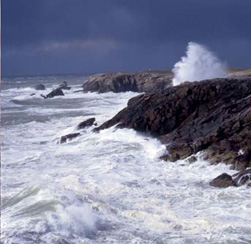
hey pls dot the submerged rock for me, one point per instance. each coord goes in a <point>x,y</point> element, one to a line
<point>86,123</point>
<point>54,93</point>
<point>192,159</point>
<point>40,87</point>
<point>224,180</point>
<point>71,136</point>
<point>243,177</point>
<point>64,86</point>
<point>213,116</point>
<point>147,81</point>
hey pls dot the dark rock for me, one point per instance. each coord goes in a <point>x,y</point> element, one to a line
<point>54,93</point>
<point>40,87</point>
<point>222,181</point>
<point>78,91</point>
<point>148,81</point>
<point>64,86</point>
<point>213,116</point>
<point>192,159</point>
<point>241,178</point>
<point>65,138</point>
<point>86,123</point>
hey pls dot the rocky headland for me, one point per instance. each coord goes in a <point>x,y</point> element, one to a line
<point>212,117</point>
<point>145,81</point>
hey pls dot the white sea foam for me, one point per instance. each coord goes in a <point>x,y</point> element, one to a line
<point>42,213</point>
<point>76,219</point>
<point>59,193</point>
<point>198,64</point>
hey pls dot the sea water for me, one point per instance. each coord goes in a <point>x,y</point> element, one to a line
<point>107,187</point>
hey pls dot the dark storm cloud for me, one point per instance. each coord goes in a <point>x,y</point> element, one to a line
<point>100,35</point>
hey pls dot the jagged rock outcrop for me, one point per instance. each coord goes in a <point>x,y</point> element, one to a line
<point>224,180</point>
<point>54,93</point>
<point>212,116</point>
<point>82,125</point>
<point>68,137</point>
<point>86,123</point>
<point>148,81</point>
<point>145,81</point>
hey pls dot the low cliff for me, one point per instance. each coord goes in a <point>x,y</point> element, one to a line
<point>147,81</point>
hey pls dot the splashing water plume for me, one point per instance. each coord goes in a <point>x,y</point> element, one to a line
<point>198,64</point>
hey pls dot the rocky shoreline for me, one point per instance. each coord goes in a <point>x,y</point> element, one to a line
<point>212,117</point>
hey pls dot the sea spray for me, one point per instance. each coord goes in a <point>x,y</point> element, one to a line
<point>198,64</point>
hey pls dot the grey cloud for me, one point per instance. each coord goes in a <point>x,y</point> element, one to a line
<point>122,34</point>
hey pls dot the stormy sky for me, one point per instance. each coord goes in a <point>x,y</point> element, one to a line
<point>88,36</point>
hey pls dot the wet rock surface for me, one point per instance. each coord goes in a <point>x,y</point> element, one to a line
<point>148,81</point>
<point>212,116</point>
<point>86,123</point>
<point>64,86</point>
<point>241,178</point>
<point>54,93</point>
<point>224,180</point>
<point>68,137</point>
<point>82,125</point>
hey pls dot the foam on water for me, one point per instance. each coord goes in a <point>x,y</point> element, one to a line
<point>107,187</point>
<point>39,214</point>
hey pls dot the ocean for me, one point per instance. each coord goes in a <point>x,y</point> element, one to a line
<point>107,187</point>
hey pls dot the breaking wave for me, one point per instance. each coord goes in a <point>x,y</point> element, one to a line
<point>198,64</point>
